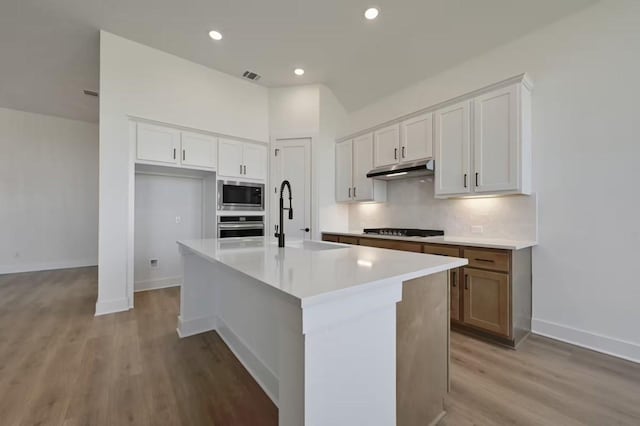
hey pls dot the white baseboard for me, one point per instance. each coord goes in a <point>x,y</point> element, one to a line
<point>597,342</point>
<point>104,307</point>
<point>258,369</point>
<point>46,266</point>
<point>157,284</point>
<point>195,326</point>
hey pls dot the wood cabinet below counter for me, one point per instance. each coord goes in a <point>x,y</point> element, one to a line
<point>489,298</point>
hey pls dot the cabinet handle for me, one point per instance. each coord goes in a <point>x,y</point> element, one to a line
<point>174,153</point>
<point>245,169</point>
<point>354,192</point>
<point>477,179</point>
<point>466,282</point>
<point>395,153</point>
<point>184,155</point>
<point>453,280</point>
<point>465,180</point>
<point>240,168</point>
<point>349,192</point>
<point>485,260</point>
<point>403,156</point>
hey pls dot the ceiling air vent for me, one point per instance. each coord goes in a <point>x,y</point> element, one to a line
<point>250,75</point>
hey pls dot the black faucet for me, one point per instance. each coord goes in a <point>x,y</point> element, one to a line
<point>280,230</point>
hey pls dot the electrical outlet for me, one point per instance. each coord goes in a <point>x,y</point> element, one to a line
<point>153,263</point>
<point>477,229</point>
<point>178,219</point>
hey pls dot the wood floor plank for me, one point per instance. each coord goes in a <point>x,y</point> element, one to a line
<point>60,365</point>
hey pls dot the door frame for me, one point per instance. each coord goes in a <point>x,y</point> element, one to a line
<point>313,140</point>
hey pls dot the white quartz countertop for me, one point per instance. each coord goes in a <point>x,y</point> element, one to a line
<point>497,243</point>
<point>311,270</point>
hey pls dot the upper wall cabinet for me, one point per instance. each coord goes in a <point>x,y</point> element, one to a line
<point>386,145</point>
<point>198,150</point>
<point>354,158</point>
<point>493,157</point>
<point>168,146</point>
<point>453,144</point>
<point>416,138</point>
<point>157,143</point>
<point>242,159</point>
<point>410,140</point>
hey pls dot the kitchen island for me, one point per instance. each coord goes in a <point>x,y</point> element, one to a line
<point>334,334</point>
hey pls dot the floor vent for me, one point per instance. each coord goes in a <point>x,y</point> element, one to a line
<point>250,75</point>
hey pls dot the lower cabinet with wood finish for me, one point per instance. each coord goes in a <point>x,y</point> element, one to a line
<point>489,298</point>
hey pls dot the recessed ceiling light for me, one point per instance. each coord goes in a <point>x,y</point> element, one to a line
<point>298,71</point>
<point>371,13</point>
<point>215,35</point>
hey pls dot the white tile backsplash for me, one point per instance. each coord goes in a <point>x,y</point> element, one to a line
<point>411,204</point>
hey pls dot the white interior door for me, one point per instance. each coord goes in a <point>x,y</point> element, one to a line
<point>291,160</point>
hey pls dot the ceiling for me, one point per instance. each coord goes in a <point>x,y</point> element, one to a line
<point>49,50</point>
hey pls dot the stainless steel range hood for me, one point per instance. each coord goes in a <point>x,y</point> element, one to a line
<point>403,171</point>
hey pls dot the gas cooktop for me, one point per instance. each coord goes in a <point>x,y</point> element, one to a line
<point>404,232</point>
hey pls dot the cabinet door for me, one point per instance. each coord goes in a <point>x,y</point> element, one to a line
<point>452,146</point>
<point>362,164</point>
<point>157,143</point>
<point>454,291</point>
<point>199,150</point>
<point>486,301</point>
<point>495,141</point>
<point>386,144</point>
<point>230,158</point>
<point>344,165</point>
<point>255,161</point>
<point>417,138</point>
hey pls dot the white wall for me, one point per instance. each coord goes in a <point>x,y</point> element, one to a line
<point>136,80</point>
<point>585,71</point>
<point>159,201</point>
<point>48,192</point>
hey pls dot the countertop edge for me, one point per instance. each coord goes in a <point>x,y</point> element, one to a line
<point>459,241</point>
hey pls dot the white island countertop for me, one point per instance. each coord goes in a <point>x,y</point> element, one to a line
<point>496,243</point>
<point>313,271</point>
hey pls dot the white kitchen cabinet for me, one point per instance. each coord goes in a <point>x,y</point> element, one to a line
<point>386,143</point>
<point>198,150</point>
<point>157,144</point>
<point>242,159</point>
<point>417,138</point>
<point>230,157</point>
<point>354,159</point>
<point>495,156</point>
<point>254,161</point>
<point>495,141</point>
<point>344,170</point>
<point>452,149</point>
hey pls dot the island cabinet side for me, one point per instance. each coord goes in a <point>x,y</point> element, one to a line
<point>422,350</point>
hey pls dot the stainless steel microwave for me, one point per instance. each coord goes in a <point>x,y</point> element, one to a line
<point>240,196</point>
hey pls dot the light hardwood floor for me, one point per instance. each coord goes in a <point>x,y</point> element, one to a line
<point>59,365</point>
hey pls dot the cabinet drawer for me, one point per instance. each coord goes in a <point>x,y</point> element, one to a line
<point>442,250</point>
<point>331,238</point>
<point>347,240</point>
<point>390,244</point>
<point>488,259</point>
